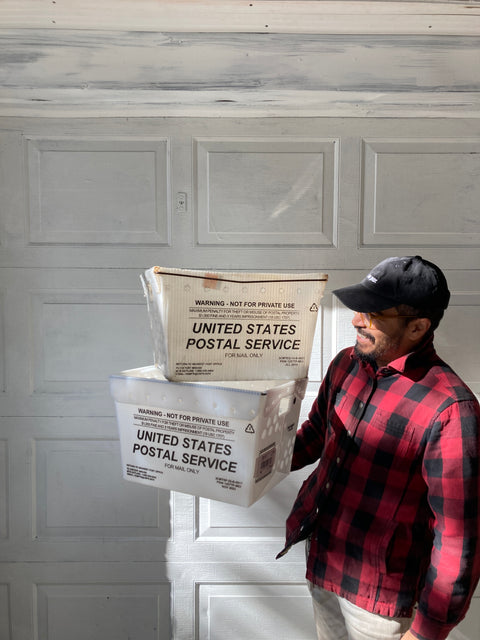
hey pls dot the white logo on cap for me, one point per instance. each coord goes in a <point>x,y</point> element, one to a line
<point>371,278</point>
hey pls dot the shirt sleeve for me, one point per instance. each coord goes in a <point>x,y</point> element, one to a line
<point>451,471</point>
<point>310,439</point>
<point>311,435</point>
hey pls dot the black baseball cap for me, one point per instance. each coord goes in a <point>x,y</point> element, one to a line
<point>409,280</point>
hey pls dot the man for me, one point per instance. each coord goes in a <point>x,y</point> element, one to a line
<point>391,513</point>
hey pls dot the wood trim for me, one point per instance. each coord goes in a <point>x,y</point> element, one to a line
<point>67,104</point>
<point>247,16</point>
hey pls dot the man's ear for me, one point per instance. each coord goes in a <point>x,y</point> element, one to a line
<point>417,328</point>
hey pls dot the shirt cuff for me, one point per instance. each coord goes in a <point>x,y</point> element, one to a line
<point>425,628</point>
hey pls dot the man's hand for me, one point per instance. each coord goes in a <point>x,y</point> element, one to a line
<point>409,636</point>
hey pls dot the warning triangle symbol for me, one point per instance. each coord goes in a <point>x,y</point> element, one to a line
<point>314,307</point>
<point>249,428</point>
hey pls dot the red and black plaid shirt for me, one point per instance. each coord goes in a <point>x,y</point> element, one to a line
<point>393,508</point>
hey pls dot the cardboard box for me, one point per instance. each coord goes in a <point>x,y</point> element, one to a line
<point>232,326</point>
<point>228,441</point>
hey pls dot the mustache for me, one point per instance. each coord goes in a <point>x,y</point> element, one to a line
<point>366,335</point>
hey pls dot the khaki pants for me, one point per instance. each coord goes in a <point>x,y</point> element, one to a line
<point>339,619</point>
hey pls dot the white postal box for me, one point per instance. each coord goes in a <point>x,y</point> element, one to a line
<point>232,326</point>
<point>229,441</point>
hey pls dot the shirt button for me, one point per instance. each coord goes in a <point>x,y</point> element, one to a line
<point>338,460</point>
<point>361,405</point>
<point>327,486</point>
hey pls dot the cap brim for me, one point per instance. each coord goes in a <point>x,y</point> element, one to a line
<point>359,298</point>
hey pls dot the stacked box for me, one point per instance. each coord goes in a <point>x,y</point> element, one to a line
<point>231,442</point>
<point>216,415</point>
<point>232,326</point>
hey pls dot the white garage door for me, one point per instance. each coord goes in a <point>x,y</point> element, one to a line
<point>86,207</point>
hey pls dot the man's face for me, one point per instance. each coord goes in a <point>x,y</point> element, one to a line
<point>385,340</point>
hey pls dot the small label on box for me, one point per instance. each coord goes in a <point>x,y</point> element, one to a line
<point>265,462</point>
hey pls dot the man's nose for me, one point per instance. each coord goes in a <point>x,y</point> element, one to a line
<point>359,320</point>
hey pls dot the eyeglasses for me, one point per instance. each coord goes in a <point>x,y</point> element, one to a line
<point>368,318</point>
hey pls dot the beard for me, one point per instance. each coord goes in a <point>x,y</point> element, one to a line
<point>368,358</point>
<point>382,347</point>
